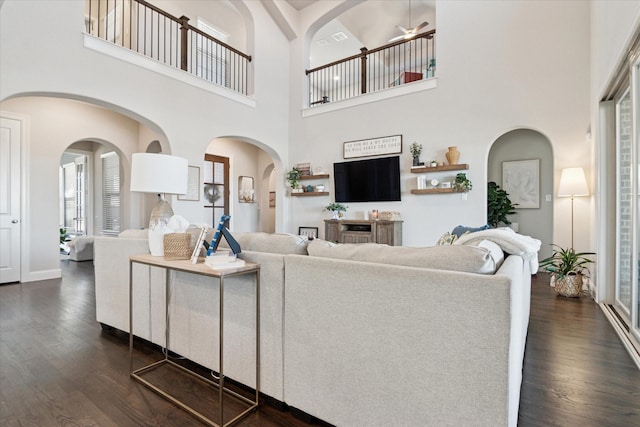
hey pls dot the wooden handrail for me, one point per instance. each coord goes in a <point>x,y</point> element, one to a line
<point>364,51</point>
<point>184,22</point>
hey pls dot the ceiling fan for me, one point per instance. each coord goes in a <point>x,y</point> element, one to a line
<point>410,32</point>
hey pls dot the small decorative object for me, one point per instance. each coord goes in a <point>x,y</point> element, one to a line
<point>434,163</point>
<point>320,188</point>
<point>304,168</point>
<point>293,176</point>
<point>416,150</point>
<point>434,183</point>
<point>177,246</point>
<point>567,268</point>
<point>308,232</point>
<point>453,155</point>
<point>445,184</point>
<point>499,205</point>
<point>431,69</point>
<point>309,188</point>
<point>390,216</point>
<point>374,214</point>
<point>462,184</point>
<point>336,209</point>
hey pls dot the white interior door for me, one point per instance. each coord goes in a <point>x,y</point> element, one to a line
<point>9,200</point>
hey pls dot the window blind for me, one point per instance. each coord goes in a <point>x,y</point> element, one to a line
<point>110,193</point>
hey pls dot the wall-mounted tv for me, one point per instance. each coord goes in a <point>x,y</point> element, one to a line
<point>371,180</point>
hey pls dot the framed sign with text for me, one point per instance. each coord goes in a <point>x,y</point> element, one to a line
<point>373,147</point>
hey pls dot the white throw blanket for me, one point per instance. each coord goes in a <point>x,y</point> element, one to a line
<point>509,241</point>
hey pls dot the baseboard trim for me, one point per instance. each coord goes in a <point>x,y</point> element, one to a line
<point>622,332</point>
<point>34,276</point>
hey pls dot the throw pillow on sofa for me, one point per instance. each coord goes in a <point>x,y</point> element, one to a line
<point>273,243</point>
<point>462,229</point>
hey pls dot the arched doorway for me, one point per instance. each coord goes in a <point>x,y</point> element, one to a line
<point>516,146</point>
<point>248,161</point>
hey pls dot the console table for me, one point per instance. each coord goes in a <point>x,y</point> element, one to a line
<point>363,231</point>
<point>220,275</point>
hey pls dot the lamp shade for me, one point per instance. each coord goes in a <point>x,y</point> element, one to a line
<point>159,173</point>
<point>573,183</point>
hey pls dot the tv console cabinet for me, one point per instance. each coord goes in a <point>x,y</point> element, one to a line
<point>363,231</point>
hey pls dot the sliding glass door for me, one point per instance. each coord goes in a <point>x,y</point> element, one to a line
<point>627,283</point>
<point>625,203</point>
<point>633,296</point>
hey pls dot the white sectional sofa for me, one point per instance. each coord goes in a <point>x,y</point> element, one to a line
<point>352,334</point>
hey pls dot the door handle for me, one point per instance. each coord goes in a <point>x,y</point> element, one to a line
<point>15,221</point>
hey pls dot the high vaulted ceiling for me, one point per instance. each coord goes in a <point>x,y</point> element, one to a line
<point>369,24</point>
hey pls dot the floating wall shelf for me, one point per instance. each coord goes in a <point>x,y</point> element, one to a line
<point>427,169</point>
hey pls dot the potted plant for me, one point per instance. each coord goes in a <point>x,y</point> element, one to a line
<point>499,205</point>
<point>462,184</point>
<point>336,209</point>
<point>293,176</point>
<point>567,268</point>
<point>416,150</point>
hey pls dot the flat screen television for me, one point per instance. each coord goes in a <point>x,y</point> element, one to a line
<point>371,180</point>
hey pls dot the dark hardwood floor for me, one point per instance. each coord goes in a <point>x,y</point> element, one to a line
<point>59,368</point>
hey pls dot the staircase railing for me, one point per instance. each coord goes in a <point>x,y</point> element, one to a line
<point>144,28</point>
<point>373,70</point>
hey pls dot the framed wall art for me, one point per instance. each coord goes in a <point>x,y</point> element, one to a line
<point>309,232</point>
<point>373,147</point>
<point>521,179</point>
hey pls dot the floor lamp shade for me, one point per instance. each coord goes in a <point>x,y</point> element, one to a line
<point>573,183</point>
<point>160,174</point>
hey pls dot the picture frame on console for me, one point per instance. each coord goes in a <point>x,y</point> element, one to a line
<point>309,232</point>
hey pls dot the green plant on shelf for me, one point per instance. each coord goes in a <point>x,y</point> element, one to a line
<point>293,176</point>
<point>335,207</point>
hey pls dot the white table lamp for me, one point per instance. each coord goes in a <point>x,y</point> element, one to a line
<point>573,183</point>
<point>161,174</point>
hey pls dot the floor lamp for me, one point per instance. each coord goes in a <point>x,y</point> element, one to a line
<point>573,183</point>
<point>160,174</point>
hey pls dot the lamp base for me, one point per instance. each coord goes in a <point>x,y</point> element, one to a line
<point>160,216</point>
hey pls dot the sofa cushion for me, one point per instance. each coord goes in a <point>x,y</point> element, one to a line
<point>470,259</point>
<point>135,233</point>
<point>271,243</point>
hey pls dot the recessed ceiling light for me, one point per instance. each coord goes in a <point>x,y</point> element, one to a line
<point>336,77</point>
<point>339,36</point>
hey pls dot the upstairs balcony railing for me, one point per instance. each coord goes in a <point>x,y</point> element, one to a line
<point>394,64</point>
<point>144,28</point>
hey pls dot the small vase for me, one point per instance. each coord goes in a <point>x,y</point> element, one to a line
<point>336,215</point>
<point>416,161</point>
<point>452,155</point>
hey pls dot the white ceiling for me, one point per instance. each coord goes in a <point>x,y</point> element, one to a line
<point>370,24</point>
<point>300,4</point>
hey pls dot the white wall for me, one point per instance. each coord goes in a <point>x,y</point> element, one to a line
<point>49,57</point>
<point>54,124</point>
<point>613,24</point>
<point>501,66</point>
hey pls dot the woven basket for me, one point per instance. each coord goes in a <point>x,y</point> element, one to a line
<point>569,286</point>
<point>177,246</point>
